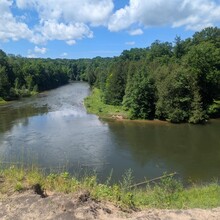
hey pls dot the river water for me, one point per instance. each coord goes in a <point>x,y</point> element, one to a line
<point>53,131</point>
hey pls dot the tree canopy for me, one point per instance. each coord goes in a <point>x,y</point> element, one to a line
<point>177,81</point>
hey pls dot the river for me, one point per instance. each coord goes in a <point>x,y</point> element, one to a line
<point>53,131</point>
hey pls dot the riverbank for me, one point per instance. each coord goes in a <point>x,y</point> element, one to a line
<point>2,101</point>
<point>30,194</point>
<point>19,96</point>
<point>28,205</point>
<point>167,193</point>
<point>95,105</point>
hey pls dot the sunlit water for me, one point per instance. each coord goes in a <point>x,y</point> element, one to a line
<point>54,132</point>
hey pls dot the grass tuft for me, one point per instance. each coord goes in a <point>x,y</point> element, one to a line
<point>95,105</point>
<point>169,193</point>
<point>2,101</point>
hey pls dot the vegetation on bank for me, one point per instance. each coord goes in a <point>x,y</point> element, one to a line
<point>175,81</point>
<point>2,101</point>
<point>168,193</point>
<point>22,77</point>
<point>95,105</point>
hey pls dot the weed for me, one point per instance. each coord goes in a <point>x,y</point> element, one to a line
<point>127,180</point>
<point>18,187</point>
<point>168,193</point>
<point>109,178</point>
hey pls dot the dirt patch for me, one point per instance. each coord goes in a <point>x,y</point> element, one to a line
<point>29,205</point>
<point>117,117</point>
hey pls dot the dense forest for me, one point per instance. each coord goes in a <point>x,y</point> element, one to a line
<point>178,81</point>
<point>21,77</point>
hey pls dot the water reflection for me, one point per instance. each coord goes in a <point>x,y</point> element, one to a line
<point>190,150</point>
<point>10,115</point>
<point>53,131</point>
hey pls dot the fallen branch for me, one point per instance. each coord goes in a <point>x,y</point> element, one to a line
<point>152,180</point>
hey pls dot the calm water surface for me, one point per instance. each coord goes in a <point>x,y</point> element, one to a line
<point>54,131</point>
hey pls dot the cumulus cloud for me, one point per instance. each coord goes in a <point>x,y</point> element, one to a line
<point>136,32</point>
<point>42,50</point>
<point>71,42</point>
<point>10,28</point>
<point>72,20</point>
<point>65,20</point>
<point>51,30</point>
<point>194,14</point>
<point>94,12</point>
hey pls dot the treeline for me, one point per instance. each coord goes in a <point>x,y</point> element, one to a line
<point>21,76</point>
<point>178,82</point>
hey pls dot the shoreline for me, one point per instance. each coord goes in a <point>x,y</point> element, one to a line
<point>94,105</point>
<point>120,118</point>
<point>80,206</point>
<point>34,195</point>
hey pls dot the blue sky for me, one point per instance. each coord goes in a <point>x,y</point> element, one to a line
<point>90,28</point>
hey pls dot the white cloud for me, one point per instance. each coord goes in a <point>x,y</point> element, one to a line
<point>193,14</point>
<point>122,19</point>
<point>136,32</point>
<point>10,28</point>
<point>71,42</point>
<point>42,50</point>
<point>94,12</point>
<point>51,30</point>
<point>65,20</point>
<point>72,20</point>
<point>130,43</point>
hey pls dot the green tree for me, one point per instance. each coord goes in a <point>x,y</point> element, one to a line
<point>115,84</point>
<point>203,62</point>
<point>174,93</point>
<point>179,49</point>
<point>139,96</point>
<point>4,83</point>
<point>197,114</point>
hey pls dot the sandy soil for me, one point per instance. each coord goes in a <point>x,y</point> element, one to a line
<point>29,205</point>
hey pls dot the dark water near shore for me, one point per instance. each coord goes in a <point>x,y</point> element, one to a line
<point>54,131</point>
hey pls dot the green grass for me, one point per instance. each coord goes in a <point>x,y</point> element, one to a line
<point>168,193</point>
<point>2,101</point>
<point>95,105</point>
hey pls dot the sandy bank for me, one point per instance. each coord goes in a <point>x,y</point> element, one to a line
<point>29,205</point>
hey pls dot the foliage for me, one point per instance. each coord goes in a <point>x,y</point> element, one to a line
<point>168,193</point>
<point>115,84</point>
<point>214,109</point>
<point>140,93</point>
<point>177,82</point>
<point>95,105</point>
<point>20,77</point>
<point>203,62</point>
<point>2,101</point>
<point>173,90</point>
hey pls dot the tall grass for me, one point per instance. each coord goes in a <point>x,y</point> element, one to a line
<point>168,193</point>
<point>95,105</point>
<point>2,101</point>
